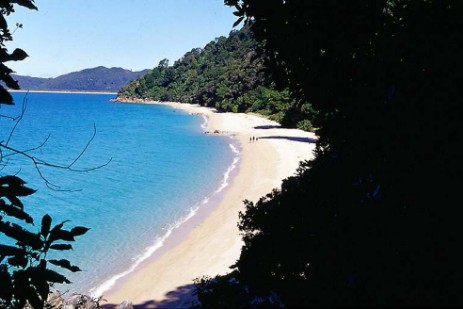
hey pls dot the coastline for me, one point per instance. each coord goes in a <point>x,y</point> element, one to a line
<point>209,242</point>
<point>64,91</point>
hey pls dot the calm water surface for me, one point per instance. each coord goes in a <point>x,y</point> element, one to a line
<point>162,166</point>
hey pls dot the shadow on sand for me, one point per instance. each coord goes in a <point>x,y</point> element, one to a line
<point>292,138</point>
<point>181,297</point>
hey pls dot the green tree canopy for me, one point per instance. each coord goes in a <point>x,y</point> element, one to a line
<point>228,74</point>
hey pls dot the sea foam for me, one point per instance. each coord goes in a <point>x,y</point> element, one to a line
<point>133,204</point>
<point>148,252</point>
<point>159,242</point>
<point>204,124</point>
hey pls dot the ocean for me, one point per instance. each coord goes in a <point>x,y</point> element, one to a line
<point>158,168</point>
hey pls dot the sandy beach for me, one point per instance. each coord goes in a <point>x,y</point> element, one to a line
<point>210,243</point>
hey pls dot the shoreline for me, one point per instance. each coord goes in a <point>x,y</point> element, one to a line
<point>209,241</point>
<point>63,91</point>
<point>177,231</point>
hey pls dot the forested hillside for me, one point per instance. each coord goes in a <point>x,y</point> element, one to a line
<point>227,74</point>
<point>94,79</point>
<point>373,220</point>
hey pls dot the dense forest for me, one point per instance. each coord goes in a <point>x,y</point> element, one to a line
<point>374,219</point>
<point>227,74</point>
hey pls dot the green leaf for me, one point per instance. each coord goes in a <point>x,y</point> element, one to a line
<point>65,264</point>
<point>46,223</point>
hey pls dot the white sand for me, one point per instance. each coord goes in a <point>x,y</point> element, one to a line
<point>214,243</point>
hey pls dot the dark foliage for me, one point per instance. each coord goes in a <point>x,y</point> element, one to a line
<point>228,74</point>
<point>6,8</point>
<point>374,219</point>
<point>25,275</point>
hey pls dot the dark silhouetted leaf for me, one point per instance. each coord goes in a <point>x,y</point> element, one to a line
<point>79,230</point>
<point>20,283</point>
<point>55,232</point>
<point>61,235</point>
<point>9,250</point>
<point>16,212</point>
<point>17,55</point>
<point>236,23</point>
<point>65,264</point>
<point>21,235</point>
<point>5,96</point>
<point>11,187</point>
<point>18,261</point>
<point>11,181</point>
<point>3,23</point>
<point>58,226</point>
<point>15,201</point>
<point>38,280</point>
<point>61,247</point>
<point>53,276</point>
<point>46,223</point>
<point>10,82</point>
<point>6,292</point>
<point>34,300</point>
<point>26,3</point>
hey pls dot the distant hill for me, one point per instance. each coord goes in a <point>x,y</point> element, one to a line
<point>95,79</point>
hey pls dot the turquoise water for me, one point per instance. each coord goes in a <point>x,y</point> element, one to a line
<point>162,168</point>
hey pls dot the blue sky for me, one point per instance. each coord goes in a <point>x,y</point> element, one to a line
<point>66,36</point>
